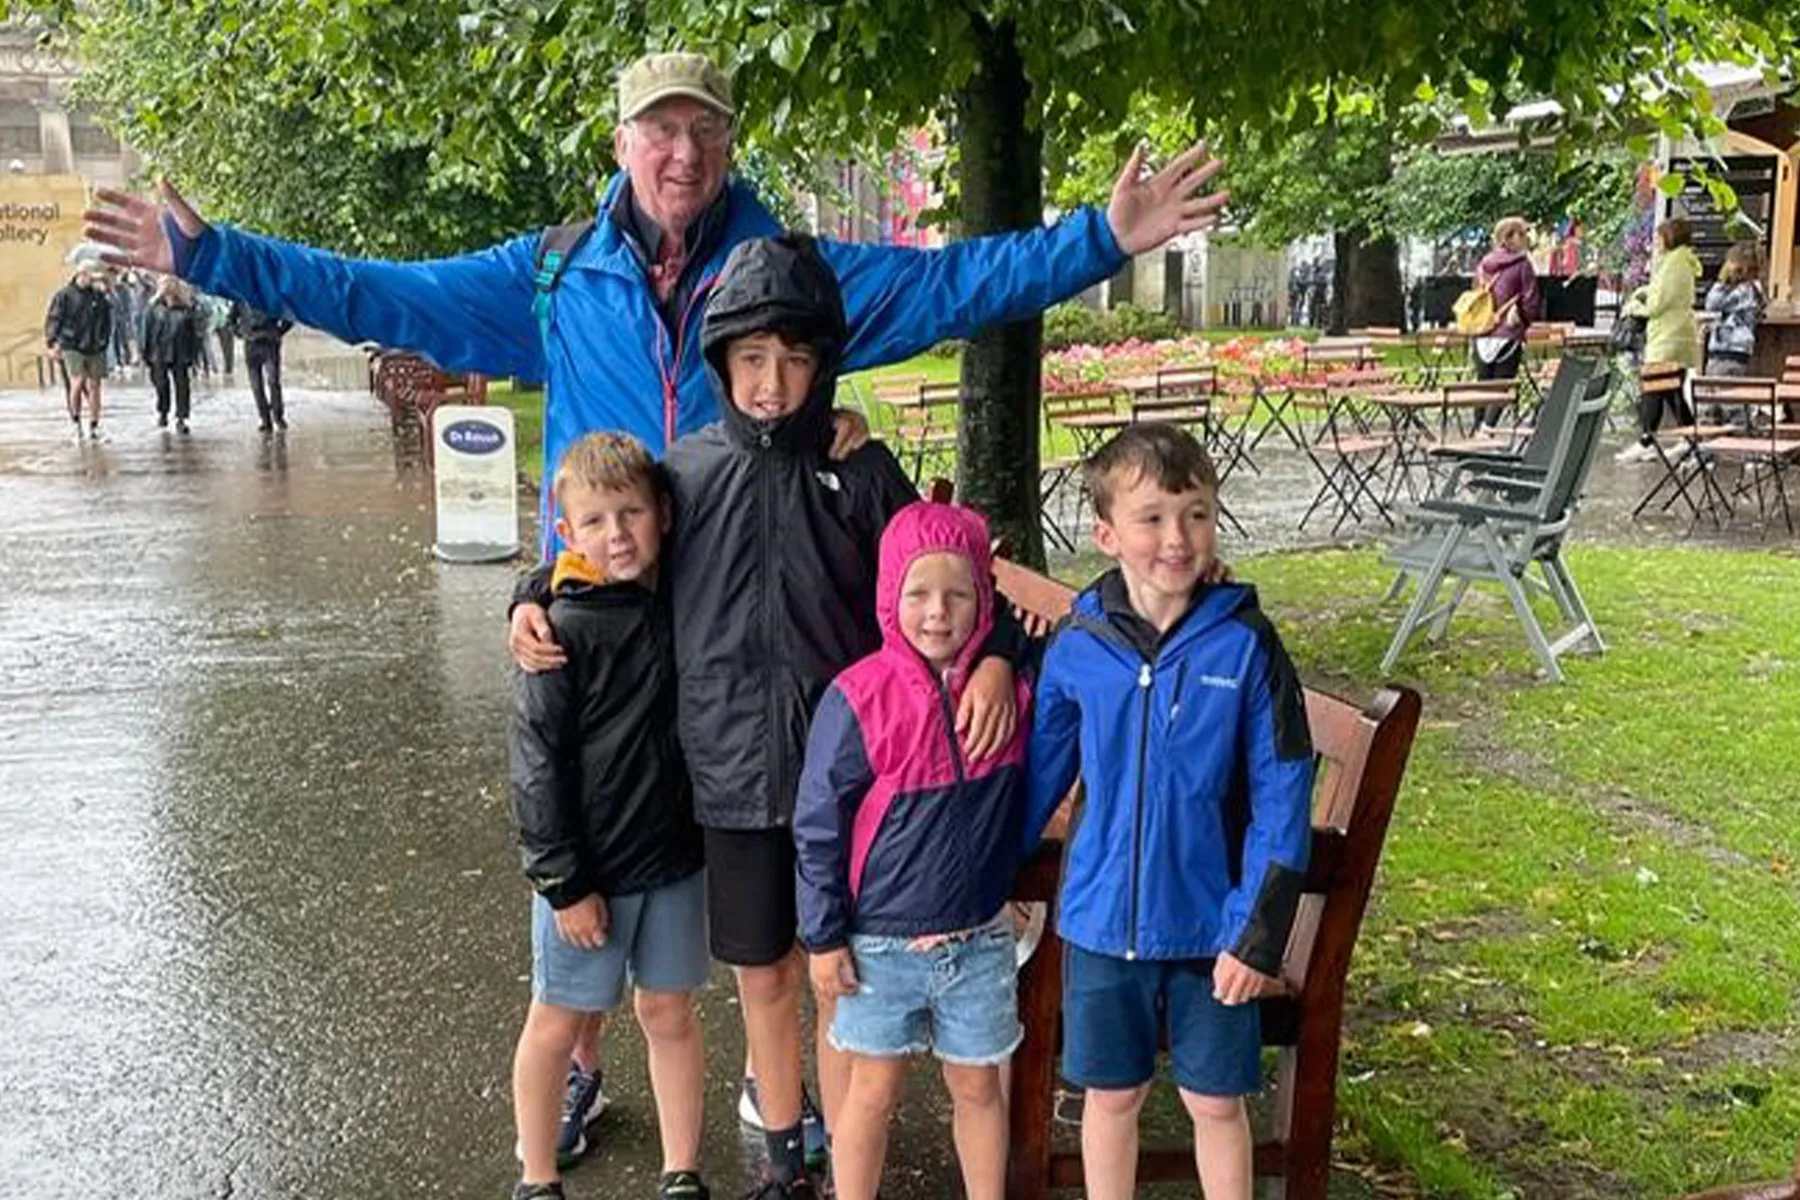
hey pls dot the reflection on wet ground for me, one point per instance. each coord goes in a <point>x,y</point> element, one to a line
<point>261,930</point>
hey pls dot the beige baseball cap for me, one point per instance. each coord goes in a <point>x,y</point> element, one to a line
<point>658,77</point>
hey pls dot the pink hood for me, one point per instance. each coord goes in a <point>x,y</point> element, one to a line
<point>925,528</point>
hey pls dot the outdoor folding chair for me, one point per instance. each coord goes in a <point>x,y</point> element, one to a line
<point>1350,466</point>
<point>1683,466</point>
<point>1528,446</point>
<point>925,430</point>
<point>1485,538</point>
<point>1061,472</point>
<point>1763,451</point>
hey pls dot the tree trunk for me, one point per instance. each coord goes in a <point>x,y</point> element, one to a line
<point>1366,286</point>
<point>1001,176</point>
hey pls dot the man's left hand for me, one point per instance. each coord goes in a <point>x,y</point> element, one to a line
<point>1148,210</point>
<point>989,713</point>
<point>849,433</point>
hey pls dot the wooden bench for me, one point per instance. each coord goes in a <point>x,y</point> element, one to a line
<point>413,389</point>
<point>1362,754</point>
<point>1782,1189</point>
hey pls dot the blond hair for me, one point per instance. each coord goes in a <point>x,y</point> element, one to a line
<point>1743,263</point>
<point>609,462</point>
<point>1507,226</point>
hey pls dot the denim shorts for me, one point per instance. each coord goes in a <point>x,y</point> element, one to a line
<point>958,999</point>
<point>1113,1013</point>
<point>655,940</point>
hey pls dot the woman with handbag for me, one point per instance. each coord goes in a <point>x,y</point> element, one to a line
<point>1670,332</point>
<point>1507,274</point>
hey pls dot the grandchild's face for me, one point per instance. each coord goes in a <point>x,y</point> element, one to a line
<point>619,530</point>
<point>1163,541</point>
<point>769,378</point>
<point>938,607</point>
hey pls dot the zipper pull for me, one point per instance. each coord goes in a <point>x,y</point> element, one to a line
<point>1144,677</point>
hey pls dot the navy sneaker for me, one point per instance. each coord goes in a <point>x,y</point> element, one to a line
<point>582,1105</point>
<point>812,1122</point>
<point>802,1188</point>
<point>537,1191</point>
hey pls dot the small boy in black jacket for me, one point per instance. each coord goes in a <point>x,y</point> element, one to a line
<point>605,818</point>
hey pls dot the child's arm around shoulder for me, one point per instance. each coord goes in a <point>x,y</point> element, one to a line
<point>833,782</point>
<point>1277,747</point>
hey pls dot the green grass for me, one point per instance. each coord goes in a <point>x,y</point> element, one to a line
<point>1580,969</point>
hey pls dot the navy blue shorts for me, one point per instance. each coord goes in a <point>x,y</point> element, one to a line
<point>1114,1009</point>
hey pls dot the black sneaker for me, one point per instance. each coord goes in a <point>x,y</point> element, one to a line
<point>181,427</point>
<point>537,1191</point>
<point>802,1188</point>
<point>162,420</point>
<point>682,1185</point>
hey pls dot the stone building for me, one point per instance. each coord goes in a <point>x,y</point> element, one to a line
<point>42,131</point>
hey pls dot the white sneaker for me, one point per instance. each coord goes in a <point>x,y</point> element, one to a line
<point>1637,452</point>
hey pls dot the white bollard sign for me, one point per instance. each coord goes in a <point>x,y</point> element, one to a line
<point>477,488</point>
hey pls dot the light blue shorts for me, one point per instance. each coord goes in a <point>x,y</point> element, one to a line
<point>655,940</point>
<point>959,999</point>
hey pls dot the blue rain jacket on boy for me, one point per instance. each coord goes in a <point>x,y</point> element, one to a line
<point>1193,835</point>
<point>609,359</point>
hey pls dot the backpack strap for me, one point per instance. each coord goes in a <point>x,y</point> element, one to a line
<point>556,246</point>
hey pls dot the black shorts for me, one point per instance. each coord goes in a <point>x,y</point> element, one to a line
<point>750,895</point>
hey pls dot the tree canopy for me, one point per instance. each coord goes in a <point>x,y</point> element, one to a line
<point>508,103</point>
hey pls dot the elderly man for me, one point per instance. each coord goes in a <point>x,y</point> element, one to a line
<point>608,311</point>
<point>619,346</point>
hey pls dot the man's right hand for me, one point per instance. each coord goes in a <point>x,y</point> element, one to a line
<point>532,642</point>
<point>134,227</point>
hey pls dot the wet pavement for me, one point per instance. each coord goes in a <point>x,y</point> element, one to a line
<point>261,928</point>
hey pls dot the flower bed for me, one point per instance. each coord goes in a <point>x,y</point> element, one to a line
<point>1241,360</point>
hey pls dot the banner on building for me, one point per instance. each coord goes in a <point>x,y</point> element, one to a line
<point>40,225</point>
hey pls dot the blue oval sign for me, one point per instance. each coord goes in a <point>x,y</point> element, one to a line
<point>474,437</point>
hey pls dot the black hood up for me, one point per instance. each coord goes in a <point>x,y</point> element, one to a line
<point>779,285</point>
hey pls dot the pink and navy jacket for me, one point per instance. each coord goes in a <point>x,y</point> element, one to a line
<point>897,833</point>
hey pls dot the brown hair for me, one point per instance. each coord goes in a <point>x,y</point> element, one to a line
<point>1155,450</point>
<point>612,462</point>
<point>1743,263</point>
<point>1676,231</point>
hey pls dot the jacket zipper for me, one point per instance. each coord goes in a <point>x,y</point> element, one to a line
<point>1180,679</point>
<point>1145,679</point>
<point>774,758</point>
<point>671,371</point>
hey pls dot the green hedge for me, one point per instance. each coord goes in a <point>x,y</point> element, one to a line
<point>1072,324</point>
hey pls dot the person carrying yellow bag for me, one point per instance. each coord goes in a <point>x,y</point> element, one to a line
<point>1500,308</point>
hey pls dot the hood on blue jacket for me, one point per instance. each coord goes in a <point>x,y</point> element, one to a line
<point>779,285</point>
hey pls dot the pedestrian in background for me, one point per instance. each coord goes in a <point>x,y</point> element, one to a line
<point>174,331</point>
<point>78,331</point>
<point>262,336</point>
